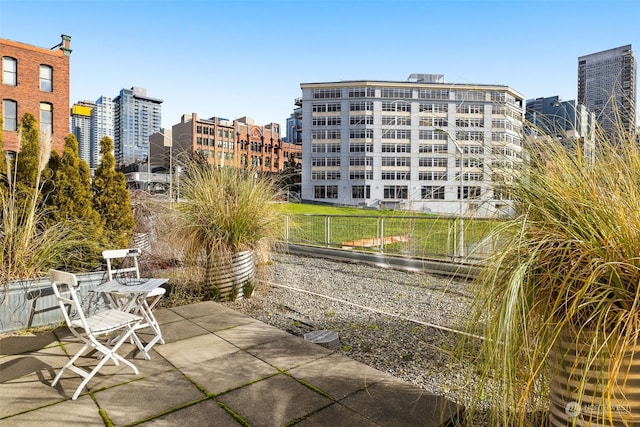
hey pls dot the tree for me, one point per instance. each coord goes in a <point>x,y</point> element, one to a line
<point>27,160</point>
<point>69,195</point>
<point>111,199</point>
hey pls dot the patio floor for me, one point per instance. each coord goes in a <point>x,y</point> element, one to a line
<point>217,368</point>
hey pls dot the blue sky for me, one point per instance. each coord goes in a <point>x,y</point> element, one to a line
<point>248,57</point>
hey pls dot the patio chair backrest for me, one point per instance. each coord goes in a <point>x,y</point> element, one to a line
<point>111,255</point>
<point>65,286</point>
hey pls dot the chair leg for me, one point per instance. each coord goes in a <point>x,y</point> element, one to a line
<point>106,354</point>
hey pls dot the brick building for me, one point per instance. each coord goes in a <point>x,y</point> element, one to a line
<point>35,80</point>
<point>237,143</point>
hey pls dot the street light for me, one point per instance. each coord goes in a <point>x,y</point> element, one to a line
<point>461,195</point>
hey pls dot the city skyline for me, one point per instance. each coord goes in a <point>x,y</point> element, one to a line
<point>248,58</point>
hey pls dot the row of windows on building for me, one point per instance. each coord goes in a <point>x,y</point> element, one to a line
<point>409,93</point>
<point>406,148</point>
<point>332,121</point>
<point>392,175</point>
<point>10,74</point>
<point>401,192</point>
<point>405,106</point>
<point>407,134</point>
<point>437,162</point>
<point>10,117</point>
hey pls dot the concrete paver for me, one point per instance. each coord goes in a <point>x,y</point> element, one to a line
<point>218,368</point>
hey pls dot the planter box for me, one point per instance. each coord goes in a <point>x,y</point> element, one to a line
<point>31,303</point>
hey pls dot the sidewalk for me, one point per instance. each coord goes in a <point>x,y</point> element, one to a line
<point>217,368</point>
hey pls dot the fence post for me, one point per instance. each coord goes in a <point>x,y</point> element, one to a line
<point>381,243</point>
<point>286,228</point>
<point>328,230</point>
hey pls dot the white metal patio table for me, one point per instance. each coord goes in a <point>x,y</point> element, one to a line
<point>130,296</point>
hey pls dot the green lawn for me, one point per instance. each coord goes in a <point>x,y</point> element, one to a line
<point>428,235</point>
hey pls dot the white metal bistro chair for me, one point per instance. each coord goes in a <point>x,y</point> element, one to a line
<point>89,329</point>
<point>131,272</point>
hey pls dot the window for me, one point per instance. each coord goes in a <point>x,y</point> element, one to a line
<point>396,175</point>
<point>433,107</point>
<point>326,107</point>
<point>395,93</point>
<point>361,148</point>
<point>470,192</point>
<point>396,133</point>
<point>361,92</point>
<point>433,94</point>
<point>361,106</point>
<point>325,121</point>
<point>360,161</point>
<point>46,78</point>
<point>440,122</point>
<point>396,106</point>
<point>360,191</point>
<point>432,176</point>
<point>9,71</point>
<point>325,148</point>
<point>360,175</point>
<point>327,93</point>
<point>396,161</point>
<point>432,148</point>
<point>436,162</point>
<point>361,133</point>
<point>325,134</point>
<point>470,95</point>
<point>395,191</point>
<point>470,123</point>
<point>432,193</point>
<point>396,120</point>
<point>396,148</point>
<point>361,120</point>
<point>470,109</point>
<point>433,135</point>
<point>46,117</point>
<point>325,191</point>
<point>9,115</point>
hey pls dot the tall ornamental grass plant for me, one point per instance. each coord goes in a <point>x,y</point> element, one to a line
<point>29,247</point>
<point>224,211</point>
<point>567,268</point>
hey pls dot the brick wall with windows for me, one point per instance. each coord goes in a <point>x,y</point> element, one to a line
<point>35,80</point>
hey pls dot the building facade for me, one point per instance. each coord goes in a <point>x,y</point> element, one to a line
<point>236,143</point>
<point>102,121</point>
<point>567,120</point>
<point>81,128</point>
<point>607,87</point>
<point>407,144</point>
<point>35,80</point>
<point>136,118</point>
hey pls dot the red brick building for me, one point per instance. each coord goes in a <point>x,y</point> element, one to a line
<point>239,143</point>
<point>35,80</point>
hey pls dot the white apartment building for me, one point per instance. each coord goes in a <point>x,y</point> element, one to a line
<point>405,144</point>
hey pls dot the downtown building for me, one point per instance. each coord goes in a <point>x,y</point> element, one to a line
<point>135,118</point>
<point>607,87</point>
<point>407,144</point>
<point>35,80</point>
<point>238,143</point>
<point>568,121</point>
<point>81,128</point>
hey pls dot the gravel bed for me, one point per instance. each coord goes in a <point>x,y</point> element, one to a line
<point>383,316</point>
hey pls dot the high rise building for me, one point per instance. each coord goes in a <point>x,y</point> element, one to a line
<point>35,80</point>
<point>101,125</point>
<point>567,120</point>
<point>420,144</point>
<point>136,118</point>
<point>607,87</point>
<point>81,128</point>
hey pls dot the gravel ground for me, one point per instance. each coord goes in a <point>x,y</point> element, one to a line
<point>398,322</point>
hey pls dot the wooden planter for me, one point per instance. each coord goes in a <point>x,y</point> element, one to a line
<point>231,278</point>
<point>568,408</point>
